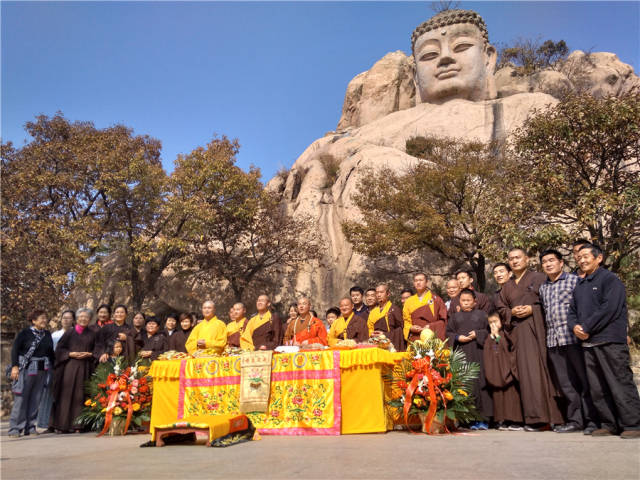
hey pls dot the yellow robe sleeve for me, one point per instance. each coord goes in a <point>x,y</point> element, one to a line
<point>406,316</point>
<point>216,335</point>
<point>337,326</point>
<point>370,323</point>
<point>192,342</point>
<point>246,339</point>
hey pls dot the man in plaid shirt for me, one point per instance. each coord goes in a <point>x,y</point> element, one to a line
<point>563,348</point>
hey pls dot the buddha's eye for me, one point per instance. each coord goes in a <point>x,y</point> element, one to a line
<point>425,57</point>
<point>461,47</point>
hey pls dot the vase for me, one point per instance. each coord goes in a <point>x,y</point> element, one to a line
<point>116,427</point>
<point>436,425</point>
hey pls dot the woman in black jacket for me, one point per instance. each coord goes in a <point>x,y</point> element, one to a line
<point>31,367</point>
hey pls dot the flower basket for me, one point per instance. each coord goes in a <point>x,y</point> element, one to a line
<point>117,426</point>
<point>437,426</point>
<point>433,382</point>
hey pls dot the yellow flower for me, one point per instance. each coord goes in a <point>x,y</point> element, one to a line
<point>448,395</point>
<point>136,407</point>
<point>88,402</point>
<point>103,410</point>
<point>93,404</point>
<point>117,411</point>
<point>462,392</point>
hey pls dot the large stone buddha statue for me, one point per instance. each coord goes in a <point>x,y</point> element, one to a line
<point>455,97</point>
<point>453,58</point>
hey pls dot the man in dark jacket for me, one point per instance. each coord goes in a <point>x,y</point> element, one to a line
<point>598,317</point>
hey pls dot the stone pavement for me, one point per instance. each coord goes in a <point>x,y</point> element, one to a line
<point>485,455</point>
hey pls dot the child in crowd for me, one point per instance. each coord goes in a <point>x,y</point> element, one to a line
<point>502,377</point>
<point>116,352</point>
<point>468,330</point>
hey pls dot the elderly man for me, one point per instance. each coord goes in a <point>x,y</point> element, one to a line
<point>237,325</point>
<point>209,333</point>
<point>305,329</point>
<point>598,317</point>
<point>264,330</point>
<point>519,306</point>
<point>348,326</point>
<point>387,319</point>
<point>453,289</point>
<point>423,310</point>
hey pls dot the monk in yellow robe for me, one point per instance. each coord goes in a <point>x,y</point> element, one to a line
<point>348,325</point>
<point>264,330</point>
<point>423,310</point>
<point>209,333</point>
<point>305,329</point>
<point>237,325</point>
<point>387,319</point>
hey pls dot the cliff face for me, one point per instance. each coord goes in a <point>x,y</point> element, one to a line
<point>378,116</point>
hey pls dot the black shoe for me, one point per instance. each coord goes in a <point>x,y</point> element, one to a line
<point>590,429</point>
<point>536,427</point>
<point>567,428</point>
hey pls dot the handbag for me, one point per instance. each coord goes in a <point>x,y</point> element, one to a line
<point>24,361</point>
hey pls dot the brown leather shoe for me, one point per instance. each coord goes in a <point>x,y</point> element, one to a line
<point>630,434</point>
<point>602,432</point>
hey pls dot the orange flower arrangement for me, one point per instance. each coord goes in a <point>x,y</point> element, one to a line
<point>116,391</point>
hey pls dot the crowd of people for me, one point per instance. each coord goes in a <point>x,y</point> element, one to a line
<point>552,345</point>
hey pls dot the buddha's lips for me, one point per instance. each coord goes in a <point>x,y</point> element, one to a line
<point>452,72</point>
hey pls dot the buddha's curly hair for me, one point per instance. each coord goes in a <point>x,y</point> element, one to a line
<point>450,17</point>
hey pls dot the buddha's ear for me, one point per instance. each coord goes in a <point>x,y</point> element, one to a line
<point>491,58</point>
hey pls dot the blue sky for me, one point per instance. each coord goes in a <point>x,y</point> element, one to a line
<point>271,74</point>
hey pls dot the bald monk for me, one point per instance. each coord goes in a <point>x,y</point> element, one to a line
<point>305,329</point>
<point>209,333</point>
<point>348,326</point>
<point>237,325</point>
<point>264,330</point>
<point>423,310</point>
<point>387,319</point>
<point>520,309</point>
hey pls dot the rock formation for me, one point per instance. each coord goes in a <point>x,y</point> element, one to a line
<point>382,109</point>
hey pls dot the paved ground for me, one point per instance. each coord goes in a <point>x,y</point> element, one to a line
<point>487,455</point>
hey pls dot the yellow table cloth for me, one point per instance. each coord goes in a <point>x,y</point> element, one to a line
<point>312,393</point>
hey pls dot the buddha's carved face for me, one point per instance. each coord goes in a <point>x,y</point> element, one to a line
<point>454,62</point>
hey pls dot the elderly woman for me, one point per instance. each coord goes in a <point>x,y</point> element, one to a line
<point>120,331</point>
<point>74,364</point>
<point>31,364</point>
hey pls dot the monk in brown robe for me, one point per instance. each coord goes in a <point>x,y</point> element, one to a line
<point>465,280</point>
<point>237,325</point>
<point>178,340</point>
<point>502,375</point>
<point>387,319</point>
<point>305,329</point>
<point>264,330</point>
<point>348,326</point>
<point>423,310</point>
<point>75,360</point>
<point>520,309</point>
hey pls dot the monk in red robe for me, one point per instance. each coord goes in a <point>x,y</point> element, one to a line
<point>305,329</point>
